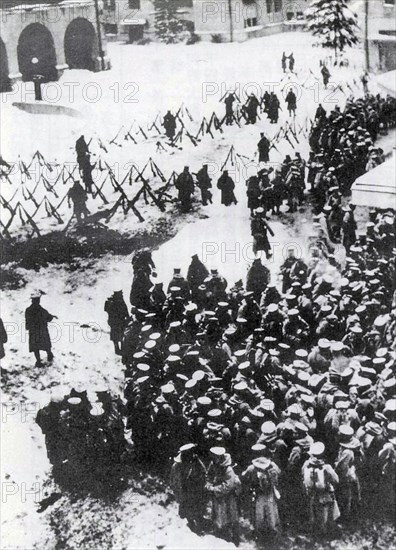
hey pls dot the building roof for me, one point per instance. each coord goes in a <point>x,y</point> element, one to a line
<point>376,188</point>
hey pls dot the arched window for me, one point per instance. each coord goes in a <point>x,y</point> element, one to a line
<point>80,45</point>
<point>36,53</point>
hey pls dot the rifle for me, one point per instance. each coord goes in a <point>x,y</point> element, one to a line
<point>30,220</point>
<point>49,187</point>
<point>52,211</point>
<point>99,192</point>
<point>157,171</point>
<point>5,230</point>
<point>116,136</point>
<point>30,195</point>
<point>142,132</point>
<point>160,147</point>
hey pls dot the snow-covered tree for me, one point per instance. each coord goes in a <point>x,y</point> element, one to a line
<point>168,28</point>
<point>333,23</point>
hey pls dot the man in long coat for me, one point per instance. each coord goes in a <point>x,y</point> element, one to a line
<point>196,275</point>
<point>118,316</point>
<point>37,319</point>
<point>261,479</point>
<point>204,183</point>
<point>260,229</point>
<point>226,185</point>
<point>229,100</point>
<point>349,227</point>
<point>320,481</point>
<point>78,196</point>
<point>170,125</point>
<point>223,488</point>
<point>185,186</point>
<point>291,101</point>
<point>263,147</point>
<point>188,476</point>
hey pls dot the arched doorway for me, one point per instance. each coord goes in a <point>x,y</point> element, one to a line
<point>80,45</point>
<point>36,53</point>
<point>5,83</point>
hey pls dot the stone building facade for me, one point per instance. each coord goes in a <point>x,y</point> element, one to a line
<point>382,35</point>
<point>234,20</point>
<point>47,38</point>
<point>133,20</point>
<point>237,20</point>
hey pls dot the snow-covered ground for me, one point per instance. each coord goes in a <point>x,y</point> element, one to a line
<point>163,78</point>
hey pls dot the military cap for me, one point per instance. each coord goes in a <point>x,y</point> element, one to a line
<point>187,447</point>
<point>218,451</point>
<point>379,362</point>
<point>308,399</point>
<point>323,343</point>
<point>174,349</point>
<point>337,346</point>
<point>283,346</point>
<point>142,379</point>
<point>143,367</point>
<point>96,411</point>
<point>168,388</point>
<point>301,353</point>
<point>390,406</point>
<point>155,336</point>
<point>317,449</point>
<point>268,428</point>
<point>215,413</point>
<point>205,401</point>
<point>301,427</point>
<point>390,385</point>
<point>391,428</point>
<point>381,320</point>
<point>175,324</point>
<point>190,383</point>
<point>173,359</point>
<point>294,410</point>
<point>299,364</point>
<point>244,366</point>
<point>241,321</point>
<point>151,344</point>
<point>74,401</point>
<point>240,386</point>
<point>258,448</point>
<point>198,375</point>
<point>267,405</point>
<point>293,312</point>
<point>214,426</point>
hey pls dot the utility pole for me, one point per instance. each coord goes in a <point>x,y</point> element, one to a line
<point>366,25</point>
<point>231,22</point>
<point>99,32</point>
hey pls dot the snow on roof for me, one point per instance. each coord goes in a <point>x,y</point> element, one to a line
<point>44,6</point>
<point>377,187</point>
<point>387,81</point>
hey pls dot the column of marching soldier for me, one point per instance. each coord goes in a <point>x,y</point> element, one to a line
<point>342,149</point>
<point>276,407</point>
